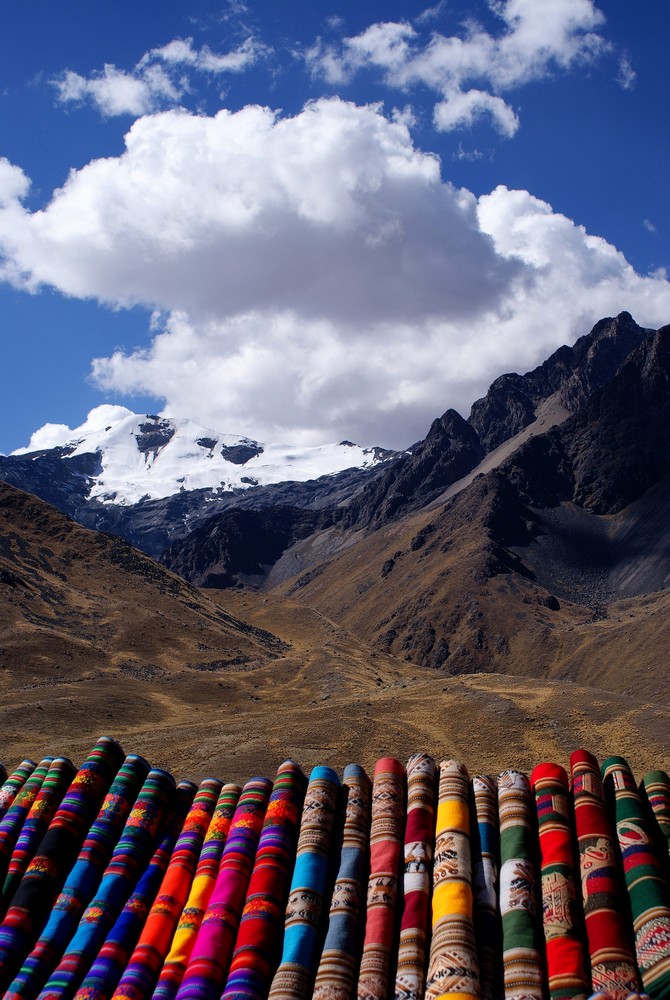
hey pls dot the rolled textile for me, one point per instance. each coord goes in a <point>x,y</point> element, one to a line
<point>129,859</point>
<point>453,969</point>
<point>656,790</point>
<point>82,881</point>
<point>293,978</point>
<point>259,936</point>
<point>522,964</point>
<point>485,837</point>
<point>210,958</point>
<point>14,782</point>
<point>417,873</point>
<point>204,880</point>
<point>646,886</point>
<point>386,852</point>
<point>560,921</point>
<point>613,968</point>
<point>31,906</point>
<point>56,781</point>
<point>103,976</point>
<point>336,974</point>
<point>15,817</point>
<point>140,975</point>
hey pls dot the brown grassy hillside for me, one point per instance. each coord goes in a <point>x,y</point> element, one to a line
<point>98,638</point>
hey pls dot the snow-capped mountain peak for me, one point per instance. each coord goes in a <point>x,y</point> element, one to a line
<point>145,457</point>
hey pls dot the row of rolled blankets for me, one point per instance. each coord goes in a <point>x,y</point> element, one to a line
<point>420,882</point>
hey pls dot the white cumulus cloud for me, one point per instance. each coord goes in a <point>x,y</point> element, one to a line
<point>470,71</point>
<point>160,79</point>
<point>313,277</point>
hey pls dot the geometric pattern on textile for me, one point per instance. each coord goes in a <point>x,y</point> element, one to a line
<point>56,782</point>
<point>522,964</point>
<point>645,882</point>
<point>82,880</point>
<point>129,858</point>
<point>386,850</point>
<point>338,967</point>
<point>613,968</point>
<point>259,936</point>
<point>13,783</point>
<point>293,978</point>
<point>565,959</point>
<point>141,971</point>
<point>199,895</point>
<point>13,820</point>
<point>485,879</point>
<point>419,844</point>
<point>31,906</point>
<point>655,788</point>
<point>107,968</point>
<point>453,968</point>
<point>208,965</point>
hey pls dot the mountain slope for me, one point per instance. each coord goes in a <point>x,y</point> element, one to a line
<point>152,480</point>
<point>96,637</point>
<point>532,559</point>
<point>449,458</point>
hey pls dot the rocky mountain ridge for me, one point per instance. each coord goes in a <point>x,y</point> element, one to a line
<point>573,381</point>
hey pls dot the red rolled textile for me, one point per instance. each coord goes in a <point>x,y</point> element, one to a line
<point>204,880</point>
<point>386,851</point>
<point>613,968</point>
<point>419,846</point>
<point>565,957</point>
<point>146,961</point>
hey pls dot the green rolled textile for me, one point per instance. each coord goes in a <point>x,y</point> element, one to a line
<point>655,788</point>
<point>643,873</point>
<point>522,963</point>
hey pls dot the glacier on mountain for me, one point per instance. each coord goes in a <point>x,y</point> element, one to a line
<point>146,457</point>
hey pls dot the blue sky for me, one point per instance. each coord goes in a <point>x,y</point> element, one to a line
<point>434,195</point>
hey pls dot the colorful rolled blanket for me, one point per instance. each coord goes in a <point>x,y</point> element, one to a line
<point>140,975</point>
<point>646,886</point>
<point>522,965</point>
<point>31,906</point>
<point>15,817</point>
<point>210,958</point>
<point>485,881</point>
<point>293,978</point>
<point>656,790</point>
<point>204,881</point>
<point>12,784</point>
<point>565,958</point>
<point>56,781</point>
<point>419,843</point>
<point>82,881</point>
<point>613,967</point>
<point>107,968</point>
<point>386,851</point>
<point>453,969</point>
<point>336,975</point>
<point>129,859</point>
<point>259,936</point>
